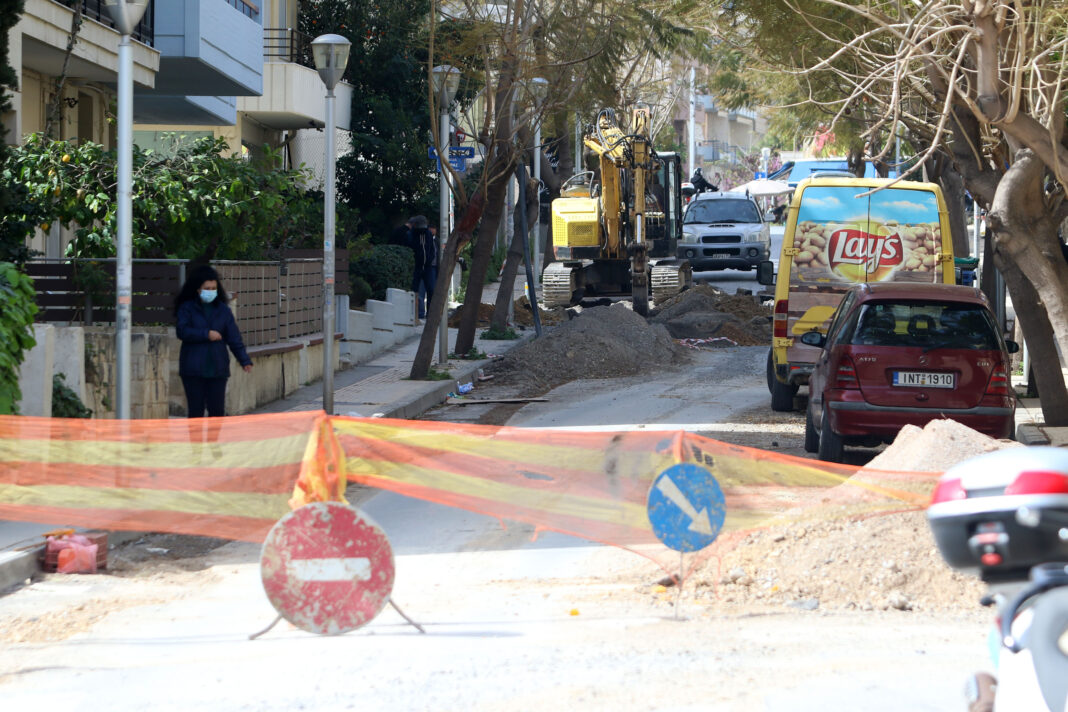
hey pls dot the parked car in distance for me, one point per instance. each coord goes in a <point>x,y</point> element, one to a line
<point>898,354</point>
<point>724,231</point>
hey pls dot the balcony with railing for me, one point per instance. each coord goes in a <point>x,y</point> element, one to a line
<point>292,91</point>
<point>283,44</point>
<point>95,10</point>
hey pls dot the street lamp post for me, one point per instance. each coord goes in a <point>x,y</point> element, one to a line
<point>446,82</point>
<point>126,14</point>
<point>331,54</point>
<point>539,89</point>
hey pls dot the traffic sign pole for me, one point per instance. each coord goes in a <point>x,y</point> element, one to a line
<point>686,508</point>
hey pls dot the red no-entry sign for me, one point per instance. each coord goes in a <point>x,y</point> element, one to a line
<point>327,568</point>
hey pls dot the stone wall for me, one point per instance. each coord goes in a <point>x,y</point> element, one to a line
<point>86,356</point>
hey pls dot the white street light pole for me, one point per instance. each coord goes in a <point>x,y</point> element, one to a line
<point>539,89</point>
<point>446,82</point>
<point>126,14</point>
<point>331,54</point>
<point>692,148</point>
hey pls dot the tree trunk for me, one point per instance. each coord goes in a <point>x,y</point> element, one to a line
<point>953,190</point>
<point>1027,252</point>
<point>511,266</point>
<point>461,235</point>
<point>482,252</point>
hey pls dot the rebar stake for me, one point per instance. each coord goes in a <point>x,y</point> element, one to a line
<point>405,617</point>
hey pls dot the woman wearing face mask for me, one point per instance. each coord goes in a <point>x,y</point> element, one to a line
<point>206,326</point>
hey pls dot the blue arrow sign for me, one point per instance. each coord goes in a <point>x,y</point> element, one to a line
<point>686,507</point>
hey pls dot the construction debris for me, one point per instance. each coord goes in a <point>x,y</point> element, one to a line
<point>705,311</point>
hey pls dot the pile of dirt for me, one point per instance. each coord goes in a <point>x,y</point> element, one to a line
<point>705,311</point>
<point>521,313</point>
<point>601,342</point>
<point>879,562</point>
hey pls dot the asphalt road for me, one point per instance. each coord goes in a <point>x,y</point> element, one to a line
<point>513,622</point>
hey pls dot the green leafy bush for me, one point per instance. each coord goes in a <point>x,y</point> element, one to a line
<point>65,402</point>
<point>16,332</point>
<point>359,290</point>
<point>382,267</point>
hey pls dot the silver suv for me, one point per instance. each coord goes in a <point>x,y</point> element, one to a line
<point>724,231</point>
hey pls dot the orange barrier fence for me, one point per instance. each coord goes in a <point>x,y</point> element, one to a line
<point>234,477</point>
<point>225,477</point>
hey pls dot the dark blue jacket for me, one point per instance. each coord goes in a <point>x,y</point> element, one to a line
<point>201,357</point>
<point>425,247</point>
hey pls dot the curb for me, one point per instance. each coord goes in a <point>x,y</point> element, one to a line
<point>17,566</point>
<point>437,395</point>
<point>1028,434</point>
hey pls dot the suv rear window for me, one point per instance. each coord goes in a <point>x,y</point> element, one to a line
<point>722,210</point>
<point>924,324</point>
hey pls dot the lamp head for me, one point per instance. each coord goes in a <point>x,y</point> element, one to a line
<point>539,89</point>
<point>126,13</point>
<point>446,82</point>
<point>331,55</point>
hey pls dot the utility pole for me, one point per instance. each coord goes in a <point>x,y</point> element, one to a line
<point>692,149</point>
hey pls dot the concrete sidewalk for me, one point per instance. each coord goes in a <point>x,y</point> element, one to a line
<point>377,388</point>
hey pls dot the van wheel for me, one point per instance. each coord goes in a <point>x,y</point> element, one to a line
<point>771,372</point>
<point>812,437</point>
<point>830,446</point>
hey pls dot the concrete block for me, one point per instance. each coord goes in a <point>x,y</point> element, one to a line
<point>381,313</point>
<point>70,358</point>
<point>291,372</point>
<point>404,302</point>
<point>357,345</point>
<point>35,373</point>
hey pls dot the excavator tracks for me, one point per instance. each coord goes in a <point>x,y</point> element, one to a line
<point>558,285</point>
<point>669,277</point>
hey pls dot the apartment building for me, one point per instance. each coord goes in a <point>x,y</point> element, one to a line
<point>236,69</point>
<point>722,134</point>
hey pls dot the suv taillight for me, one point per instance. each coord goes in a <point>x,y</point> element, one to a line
<point>845,376</point>
<point>999,383</point>
<point>781,308</point>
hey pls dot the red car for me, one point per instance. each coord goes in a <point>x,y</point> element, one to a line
<point>899,353</point>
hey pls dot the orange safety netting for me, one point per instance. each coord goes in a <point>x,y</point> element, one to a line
<point>234,477</point>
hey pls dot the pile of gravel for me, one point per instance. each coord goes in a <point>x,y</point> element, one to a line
<point>601,342</point>
<point>705,311</point>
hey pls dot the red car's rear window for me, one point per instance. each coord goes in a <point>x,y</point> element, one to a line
<point>927,325</point>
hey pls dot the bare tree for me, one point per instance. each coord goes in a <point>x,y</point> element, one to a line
<point>979,84</point>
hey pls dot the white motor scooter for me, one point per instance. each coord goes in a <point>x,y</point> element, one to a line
<point>1004,516</point>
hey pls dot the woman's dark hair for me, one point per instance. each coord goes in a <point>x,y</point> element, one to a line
<point>197,276</point>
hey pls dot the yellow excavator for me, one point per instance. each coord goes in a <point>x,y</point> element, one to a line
<point>615,230</point>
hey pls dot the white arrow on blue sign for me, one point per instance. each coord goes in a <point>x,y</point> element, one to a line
<point>686,507</point>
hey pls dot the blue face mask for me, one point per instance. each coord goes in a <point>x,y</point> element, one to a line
<point>208,295</point>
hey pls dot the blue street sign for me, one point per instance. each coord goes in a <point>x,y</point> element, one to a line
<point>454,152</point>
<point>458,163</point>
<point>759,174</point>
<point>686,507</point>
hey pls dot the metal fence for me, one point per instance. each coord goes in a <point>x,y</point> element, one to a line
<point>287,45</point>
<point>94,9</point>
<point>273,301</point>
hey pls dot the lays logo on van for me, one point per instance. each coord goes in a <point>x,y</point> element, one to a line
<point>861,256</point>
